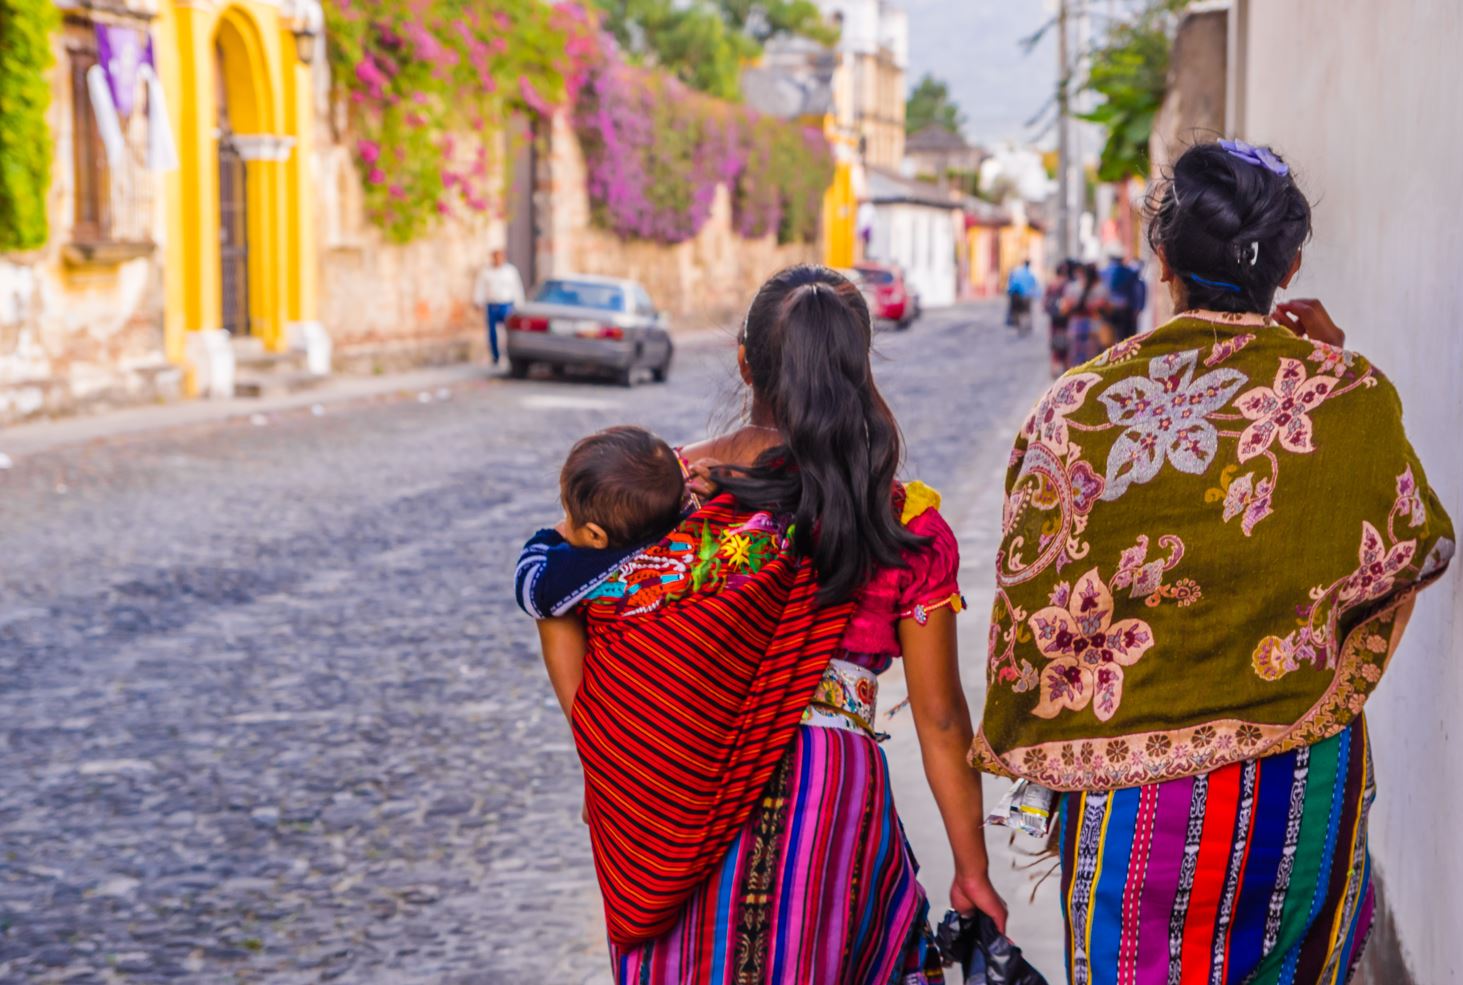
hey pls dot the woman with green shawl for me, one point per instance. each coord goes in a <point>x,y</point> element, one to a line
<point>1213,536</point>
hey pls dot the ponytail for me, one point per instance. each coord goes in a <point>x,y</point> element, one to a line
<point>807,341</point>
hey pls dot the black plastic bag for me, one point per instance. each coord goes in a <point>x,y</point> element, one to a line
<point>986,956</point>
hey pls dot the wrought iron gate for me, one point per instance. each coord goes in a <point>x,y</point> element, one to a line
<point>233,234</point>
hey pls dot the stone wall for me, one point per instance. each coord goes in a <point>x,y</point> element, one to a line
<point>388,306</point>
<point>704,282</point>
<point>80,333</point>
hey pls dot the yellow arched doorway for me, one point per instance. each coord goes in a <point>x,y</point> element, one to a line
<point>247,153</point>
<point>240,220</point>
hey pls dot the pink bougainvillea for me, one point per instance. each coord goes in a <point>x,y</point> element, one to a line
<point>656,152</point>
<point>418,71</point>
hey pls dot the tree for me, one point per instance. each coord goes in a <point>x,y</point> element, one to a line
<point>705,43</point>
<point>930,103</point>
<point>1130,72</point>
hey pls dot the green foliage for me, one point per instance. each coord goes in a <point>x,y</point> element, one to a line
<point>705,43</point>
<point>930,103</point>
<point>25,138</point>
<point>423,73</point>
<point>1130,72</point>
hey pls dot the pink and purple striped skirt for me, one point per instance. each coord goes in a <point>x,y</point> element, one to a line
<point>819,888</point>
<point>1256,873</point>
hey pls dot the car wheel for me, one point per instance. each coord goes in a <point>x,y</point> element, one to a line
<point>518,368</point>
<point>626,376</point>
<point>661,372</point>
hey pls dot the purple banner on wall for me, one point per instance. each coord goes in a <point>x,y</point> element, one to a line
<point>121,51</point>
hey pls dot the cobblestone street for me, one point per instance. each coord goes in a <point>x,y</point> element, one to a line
<point>269,713</point>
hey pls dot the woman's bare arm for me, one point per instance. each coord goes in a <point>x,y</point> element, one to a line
<point>942,720</point>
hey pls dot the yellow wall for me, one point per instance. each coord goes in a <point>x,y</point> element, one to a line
<point>268,94</point>
<point>840,216</point>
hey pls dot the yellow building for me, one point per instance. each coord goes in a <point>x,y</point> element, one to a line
<point>179,205</point>
<point>240,253</point>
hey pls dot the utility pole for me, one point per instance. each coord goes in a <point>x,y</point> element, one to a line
<point>1064,164</point>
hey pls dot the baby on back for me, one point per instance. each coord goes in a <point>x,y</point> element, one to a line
<point>621,489</point>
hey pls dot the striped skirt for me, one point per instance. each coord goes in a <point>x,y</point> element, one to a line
<point>1256,873</point>
<point>819,887</point>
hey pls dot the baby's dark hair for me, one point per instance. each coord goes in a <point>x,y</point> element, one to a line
<point>1229,227</point>
<point>625,479</point>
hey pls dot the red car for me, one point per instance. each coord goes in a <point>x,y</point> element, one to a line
<point>892,299</point>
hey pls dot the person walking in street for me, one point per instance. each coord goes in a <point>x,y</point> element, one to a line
<point>1022,291</point>
<point>738,800</point>
<point>1083,303</point>
<point>1127,295</point>
<point>1059,342</point>
<point>497,289</point>
<point>1214,535</point>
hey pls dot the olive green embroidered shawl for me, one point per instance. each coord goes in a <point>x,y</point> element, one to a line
<point>1212,537</point>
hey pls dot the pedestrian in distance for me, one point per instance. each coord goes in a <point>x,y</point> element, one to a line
<point>1022,291</point>
<point>1056,312</point>
<point>724,711</point>
<point>1083,303</point>
<point>1127,295</point>
<point>1213,537</point>
<point>497,289</point>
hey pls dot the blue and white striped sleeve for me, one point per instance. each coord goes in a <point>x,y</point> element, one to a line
<point>553,576</point>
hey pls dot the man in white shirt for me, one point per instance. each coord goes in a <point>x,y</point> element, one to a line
<point>497,289</point>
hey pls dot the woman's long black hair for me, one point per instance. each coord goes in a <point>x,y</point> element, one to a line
<point>1228,227</point>
<point>807,338</point>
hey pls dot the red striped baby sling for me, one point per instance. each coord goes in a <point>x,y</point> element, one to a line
<point>686,709</point>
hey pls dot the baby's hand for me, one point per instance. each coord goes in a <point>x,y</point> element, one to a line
<point>699,480</point>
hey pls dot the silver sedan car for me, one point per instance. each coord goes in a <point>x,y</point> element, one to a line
<point>579,320</point>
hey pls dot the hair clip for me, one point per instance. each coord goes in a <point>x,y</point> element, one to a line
<point>1254,252</point>
<point>1262,157</point>
<point>1222,285</point>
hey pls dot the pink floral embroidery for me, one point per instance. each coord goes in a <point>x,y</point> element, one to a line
<point>1165,417</point>
<point>1145,576</point>
<point>1227,348</point>
<point>1048,422</point>
<point>1283,411</point>
<point>1409,500</point>
<point>1331,358</point>
<point>1087,650</point>
<point>1379,566</point>
<point>1249,499</point>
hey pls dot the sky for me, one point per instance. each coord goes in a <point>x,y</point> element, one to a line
<point>974,45</point>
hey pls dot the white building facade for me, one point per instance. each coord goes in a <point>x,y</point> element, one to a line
<point>1367,110</point>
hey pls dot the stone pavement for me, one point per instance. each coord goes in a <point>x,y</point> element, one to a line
<point>268,711</point>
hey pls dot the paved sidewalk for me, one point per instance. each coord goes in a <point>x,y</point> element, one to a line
<point>974,510</point>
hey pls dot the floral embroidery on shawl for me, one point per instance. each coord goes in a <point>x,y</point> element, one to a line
<point>1150,672</point>
<point>1166,418</point>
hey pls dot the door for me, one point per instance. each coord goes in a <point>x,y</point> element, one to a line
<point>233,233</point>
<point>521,246</point>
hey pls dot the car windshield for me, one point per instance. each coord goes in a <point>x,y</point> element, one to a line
<point>581,294</point>
<point>876,276</point>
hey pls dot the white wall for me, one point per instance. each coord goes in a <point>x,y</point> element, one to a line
<point>921,239</point>
<point>1366,100</point>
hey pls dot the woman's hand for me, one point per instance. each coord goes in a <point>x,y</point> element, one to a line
<point>1309,317</point>
<point>699,479</point>
<point>969,893</point>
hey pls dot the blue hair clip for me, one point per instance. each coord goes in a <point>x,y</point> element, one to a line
<point>1222,285</point>
<point>1260,157</point>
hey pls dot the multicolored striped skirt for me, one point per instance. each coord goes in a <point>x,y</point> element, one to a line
<point>1256,873</point>
<point>819,887</point>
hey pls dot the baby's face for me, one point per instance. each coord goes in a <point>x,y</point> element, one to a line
<point>588,535</point>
